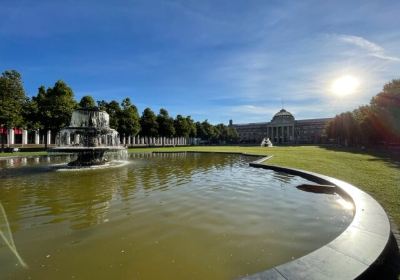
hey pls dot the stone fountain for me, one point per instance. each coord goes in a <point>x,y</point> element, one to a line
<point>89,136</point>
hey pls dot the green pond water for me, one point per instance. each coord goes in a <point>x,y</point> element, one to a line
<point>165,216</point>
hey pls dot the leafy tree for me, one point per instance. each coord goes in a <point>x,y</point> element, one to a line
<point>30,113</point>
<point>206,131</point>
<point>148,122</point>
<point>87,102</point>
<point>233,135</point>
<point>200,133</point>
<point>225,134</point>
<point>192,127</point>
<point>55,106</point>
<point>386,108</point>
<point>128,119</point>
<point>377,123</point>
<point>102,105</point>
<point>165,124</point>
<point>182,128</point>
<point>114,111</point>
<point>365,131</point>
<point>12,100</point>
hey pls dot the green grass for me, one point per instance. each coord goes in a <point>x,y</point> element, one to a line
<point>376,173</point>
<point>23,154</point>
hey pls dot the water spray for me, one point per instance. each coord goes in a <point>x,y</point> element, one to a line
<point>6,235</point>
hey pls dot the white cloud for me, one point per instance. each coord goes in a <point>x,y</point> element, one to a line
<point>371,48</point>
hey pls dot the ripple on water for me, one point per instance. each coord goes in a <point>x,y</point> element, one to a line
<point>190,215</point>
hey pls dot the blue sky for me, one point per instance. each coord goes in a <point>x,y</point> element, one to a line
<point>215,60</point>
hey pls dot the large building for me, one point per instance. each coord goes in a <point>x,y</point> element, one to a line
<point>284,129</point>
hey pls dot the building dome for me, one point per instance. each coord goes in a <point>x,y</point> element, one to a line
<point>283,116</point>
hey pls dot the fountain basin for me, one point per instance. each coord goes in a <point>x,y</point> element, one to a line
<point>190,215</point>
<point>87,156</point>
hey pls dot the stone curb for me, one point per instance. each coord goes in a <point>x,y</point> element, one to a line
<point>353,252</point>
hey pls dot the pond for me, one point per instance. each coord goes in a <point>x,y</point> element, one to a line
<point>160,216</point>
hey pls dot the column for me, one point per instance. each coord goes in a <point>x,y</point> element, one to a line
<point>37,137</point>
<point>68,140</point>
<point>279,128</point>
<point>24,137</point>
<point>293,133</point>
<point>283,133</point>
<point>273,134</point>
<point>10,137</point>
<point>76,140</point>
<point>48,139</point>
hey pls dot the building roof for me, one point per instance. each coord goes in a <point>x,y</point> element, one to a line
<point>283,115</point>
<point>313,120</point>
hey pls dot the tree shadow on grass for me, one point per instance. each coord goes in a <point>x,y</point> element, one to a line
<point>391,157</point>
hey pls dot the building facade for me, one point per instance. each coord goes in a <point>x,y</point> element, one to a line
<point>283,129</point>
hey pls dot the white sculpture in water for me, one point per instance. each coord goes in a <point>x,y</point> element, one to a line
<point>89,136</point>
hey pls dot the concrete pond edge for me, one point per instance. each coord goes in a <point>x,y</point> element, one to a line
<point>350,255</point>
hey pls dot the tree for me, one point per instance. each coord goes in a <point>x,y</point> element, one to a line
<point>114,111</point>
<point>12,100</point>
<point>192,127</point>
<point>102,105</point>
<point>225,134</point>
<point>200,133</point>
<point>386,108</point>
<point>233,135</point>
<point>181,125</point>
<point>128,119</point>
<point>87,102</point>
<point>377,123</point>
<point>148,122</point>
<point>206,131</point>
<point>55,106</point>
<point>30,113</point>
<point>165,124</point>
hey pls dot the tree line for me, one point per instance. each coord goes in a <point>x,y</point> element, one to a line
<point>52,107</point>
<point>374,124</point>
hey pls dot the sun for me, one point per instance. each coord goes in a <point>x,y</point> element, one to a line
<point>345,85</point>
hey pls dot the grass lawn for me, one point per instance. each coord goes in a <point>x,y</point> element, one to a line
<point>23,154</point>
<point>376,173</point>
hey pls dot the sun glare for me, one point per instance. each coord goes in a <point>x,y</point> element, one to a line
<point>345,85</point>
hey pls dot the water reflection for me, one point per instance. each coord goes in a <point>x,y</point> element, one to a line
<point>83,198</point>
<point>202,210</point>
